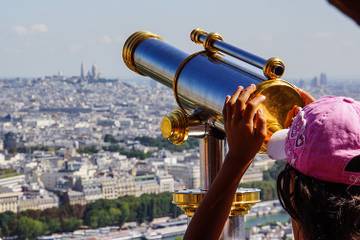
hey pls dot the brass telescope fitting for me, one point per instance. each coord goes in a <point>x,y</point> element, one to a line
<point>178,126</point>
<point>213,42</point>
<point>174,127</point>
<point>208,43</point>
<point>274,68</point>
<point>130,45</point>
<point>195,34</point>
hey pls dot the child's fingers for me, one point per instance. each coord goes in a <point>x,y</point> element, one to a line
<point>245,95</point>
<point>236,94</point>
<point>251,109</point>
<point>260,125</point>
<point>225,108</point>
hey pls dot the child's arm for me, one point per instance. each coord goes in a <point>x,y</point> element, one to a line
<point>245,129</point>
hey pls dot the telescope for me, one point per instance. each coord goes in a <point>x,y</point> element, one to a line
<point>200,82</point>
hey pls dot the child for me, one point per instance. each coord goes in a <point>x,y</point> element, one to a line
<point>319,187</point>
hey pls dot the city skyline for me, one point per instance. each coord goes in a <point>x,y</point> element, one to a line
<point>46,37</point>
<point>75,141</point>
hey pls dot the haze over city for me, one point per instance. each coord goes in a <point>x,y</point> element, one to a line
<point>42,38</point>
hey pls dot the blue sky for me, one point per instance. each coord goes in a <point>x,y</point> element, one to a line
<point>40,37</point>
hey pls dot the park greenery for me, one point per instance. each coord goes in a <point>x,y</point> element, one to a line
<point>162,143</point>
<point>268,189</point>
<point>33,223</point>
<point>31,149</point>
<point>7,172</point>
<point>112,145</point>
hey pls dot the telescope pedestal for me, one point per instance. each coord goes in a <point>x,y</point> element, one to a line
<point>234,228</point>
<point>212,152</point>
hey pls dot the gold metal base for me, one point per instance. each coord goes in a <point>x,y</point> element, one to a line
<point>189,200</point>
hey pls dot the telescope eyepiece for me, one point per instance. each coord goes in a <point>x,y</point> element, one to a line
<point>279,70</point>
<point>274,68</point>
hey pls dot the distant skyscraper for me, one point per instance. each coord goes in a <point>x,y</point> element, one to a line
<point>82,71</point>
<point>93,72</point>
<point>89,75</point>
<point>315,82</point>
<point>323,79</point>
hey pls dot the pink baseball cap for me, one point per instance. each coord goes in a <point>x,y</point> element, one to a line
<point>323,141</point>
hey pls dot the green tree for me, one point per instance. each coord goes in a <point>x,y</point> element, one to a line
<point>115,215</point>
<point>104,218</point>
<point>274,171</point>
<point>71,224</point>
<point>28,228</point>
<point>161,143</point>
<point>7,223</point>
<point>88,149</point>
<point>125,212</point>
<point>53,225</point>
<point>130,153</point>
<point>268,189</point>
<point>110,138</point>
<point>91,219</point>
<point>132,203</point>
<point>175,211</point>
<point>98,218</point>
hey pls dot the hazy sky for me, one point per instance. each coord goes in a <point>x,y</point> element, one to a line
<point>41,37</point>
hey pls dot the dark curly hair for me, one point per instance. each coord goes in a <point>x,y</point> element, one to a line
<point>323,210</point>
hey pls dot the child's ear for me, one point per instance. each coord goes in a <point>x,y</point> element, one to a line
<point>353,165</point>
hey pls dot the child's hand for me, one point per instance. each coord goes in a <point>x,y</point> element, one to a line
<point>245,124</point>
